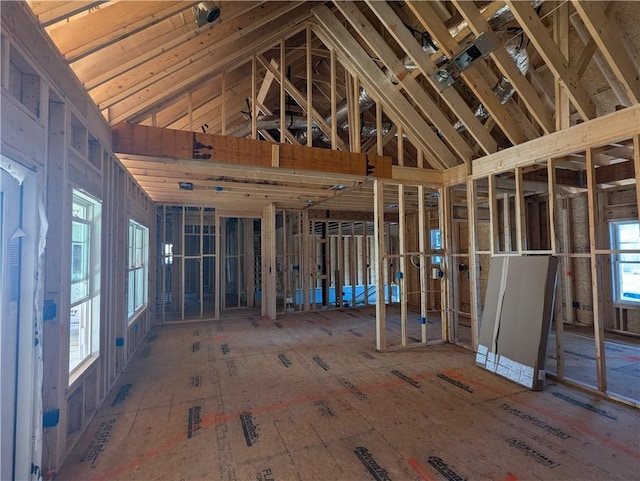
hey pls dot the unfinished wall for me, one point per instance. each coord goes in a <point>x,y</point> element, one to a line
<point>50,126</point>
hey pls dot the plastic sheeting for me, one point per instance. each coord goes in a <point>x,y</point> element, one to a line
<point>20,173</point>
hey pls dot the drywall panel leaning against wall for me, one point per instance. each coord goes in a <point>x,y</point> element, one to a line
<point>517,318</point>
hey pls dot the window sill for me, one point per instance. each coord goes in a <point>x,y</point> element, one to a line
<point>627,305</point>
<point>137,314</point>
<point>82,370</point>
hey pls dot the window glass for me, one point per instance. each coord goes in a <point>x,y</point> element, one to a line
<point>137,269</point>
<point>84,322</point>
<point>625,236</point>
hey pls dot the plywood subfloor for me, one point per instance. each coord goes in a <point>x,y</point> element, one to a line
<point>307,397</point>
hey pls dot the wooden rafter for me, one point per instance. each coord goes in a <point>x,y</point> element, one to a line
<point>50,12</point>
<point>405,81</point>
<point>427,67</point>
<point>212,47</point>
<point>115,59</point>
<point>106,26</point>
<point>606,35</point>
<point>549,51</point>
<point>354,57</point>
<point>475,76</point>
<point>507,66</point>
<point>230,56</point>
<point>300,98</point>
<point>596,132</point>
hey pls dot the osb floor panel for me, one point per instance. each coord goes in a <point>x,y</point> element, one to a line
<point>307,397</point>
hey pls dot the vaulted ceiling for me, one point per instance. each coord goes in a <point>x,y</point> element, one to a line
<point>373,76</point>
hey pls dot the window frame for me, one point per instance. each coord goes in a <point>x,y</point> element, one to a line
<point>137,271</point>
<point>86,305</point>
<point>617,262</point>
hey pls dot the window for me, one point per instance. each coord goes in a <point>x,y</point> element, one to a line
<point>138,268</point>
<point>436,245</point>
<point>625,236</point>
<point>168,254</point>
<point>84,329</point>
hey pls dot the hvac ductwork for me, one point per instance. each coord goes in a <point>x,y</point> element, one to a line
<point>365,102</point>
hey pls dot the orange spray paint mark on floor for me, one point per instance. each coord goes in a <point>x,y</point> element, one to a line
<point>213,420</point>
<point>550,414</point>
<point>420,469</point>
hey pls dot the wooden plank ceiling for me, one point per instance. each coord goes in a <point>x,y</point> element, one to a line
<point>364,72</point>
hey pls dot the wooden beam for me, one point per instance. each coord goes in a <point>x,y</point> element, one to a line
<point>410,85</point>
<point>610,128</point>
<point>616,87</point>
<point>598,318</point>
<point>474,76</point>
<point>561,38</point>
<point>334,101</point>
<point>605,34</point>
<point>49,12</point>
<point>152,43</point>
<point>300,98</point>
<point>427,67</point>
<point>417,176</point>
<point>309,104</point>
<point>358,61</point>
<point>107,25</point>
<point>507,66</point>
<point>456,175</point>
<point>137,91</point>
<point>636,163</point>
<point>379,254</point>
<point>549,51</point>
<point>166,143</point>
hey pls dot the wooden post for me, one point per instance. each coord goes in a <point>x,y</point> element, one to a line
<point>636,163</point>
<point>219,263</point>
<point>443,214</point>
<point>402,282</point>
<point>305,264</point>
<point>598,321</point>
<point>378,229</point>
<point>506,223</point>
<point>200,263</point>
<point>521,229</point>
<point>493,216</point>
<point>309,90</point>
<point>334,105</point>
<point>283,94</point>
<point>223,106</point>
<point>379,138</point>
<point>357,143</point>
<point>269,261</point>
<point>250,263</point>
<point>422,247</point>
<point>561,38</point>
<point>254,93</point>
<point>474,271</point>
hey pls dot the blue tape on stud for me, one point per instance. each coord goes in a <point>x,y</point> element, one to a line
<point>119,341</point>
<point>50,418</point>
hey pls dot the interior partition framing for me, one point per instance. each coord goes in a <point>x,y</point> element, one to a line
<point>563,200</point>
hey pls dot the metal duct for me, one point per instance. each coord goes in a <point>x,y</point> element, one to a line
<point>342,114</point>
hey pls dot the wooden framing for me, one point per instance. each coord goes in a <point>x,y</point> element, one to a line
<point>606,36</point>
<point>427,67</point>
<point>598,320</point>
<point>380,263</point>
<point>536,31</point>
<point>594,133</point>
<point>475,76</point>
<point>353,56</point>
<point>384,52</point>
<point>508,67</point>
